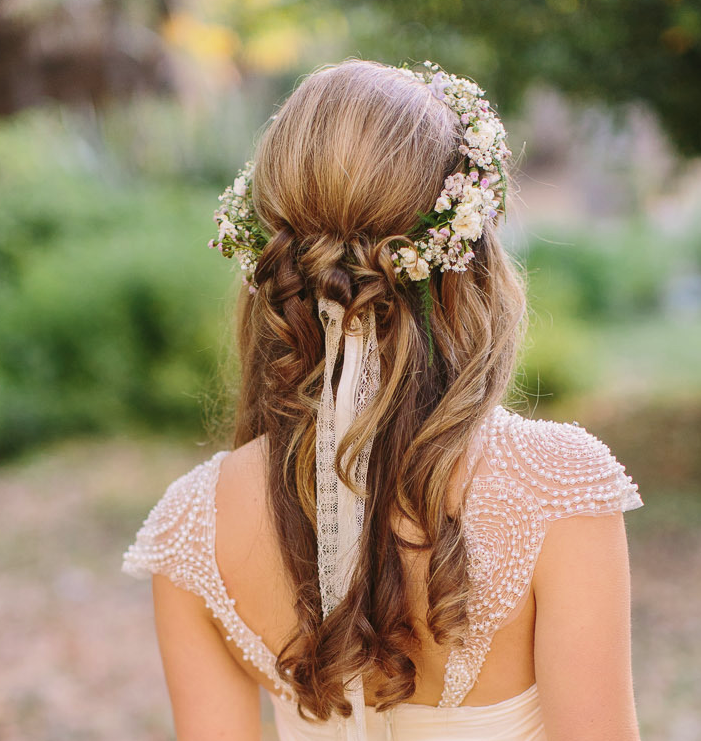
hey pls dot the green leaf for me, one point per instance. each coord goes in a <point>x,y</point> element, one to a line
<point>424,288</point>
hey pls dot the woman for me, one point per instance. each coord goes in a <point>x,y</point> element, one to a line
<point>388,550</point>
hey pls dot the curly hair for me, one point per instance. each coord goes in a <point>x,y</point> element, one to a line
<point>340,174</point>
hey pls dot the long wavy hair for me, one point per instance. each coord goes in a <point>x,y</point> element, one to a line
<point>350,159</point>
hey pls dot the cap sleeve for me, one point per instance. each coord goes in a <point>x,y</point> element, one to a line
<point>569,470</point>
<point>176,537</point>
<point>538,471</point>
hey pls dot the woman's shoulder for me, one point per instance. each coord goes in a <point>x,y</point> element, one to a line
<point>568,469</point>
<point>174,533</point>
<point>178,533</point>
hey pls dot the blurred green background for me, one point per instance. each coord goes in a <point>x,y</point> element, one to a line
<point>120,123</point>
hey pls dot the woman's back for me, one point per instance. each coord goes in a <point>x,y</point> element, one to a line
<point>529,474</point>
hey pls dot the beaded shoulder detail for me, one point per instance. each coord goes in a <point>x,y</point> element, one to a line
<point>539,471</point>
<point>569,469</point>
<point>177,539</point>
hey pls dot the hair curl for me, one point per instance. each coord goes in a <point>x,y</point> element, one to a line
<point>340,174</point>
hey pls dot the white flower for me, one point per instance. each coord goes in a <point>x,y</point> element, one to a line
<point>408,256</point>
<point>483,138</point>
<point>472,198</point>
<point>240,186</point>
<point>226,227</point>
<point>420,270</point>
<point>467,223</point>
<point>442,204</point>
<point>416,267</point>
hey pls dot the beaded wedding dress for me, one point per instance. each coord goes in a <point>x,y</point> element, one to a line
<point>538,472</point>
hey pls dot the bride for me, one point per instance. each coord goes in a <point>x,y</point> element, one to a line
<point>388,550</point>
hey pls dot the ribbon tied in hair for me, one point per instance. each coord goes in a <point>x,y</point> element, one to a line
<point>339,510</point>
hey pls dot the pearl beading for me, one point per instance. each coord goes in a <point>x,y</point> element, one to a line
<point>539,471</point>
<point>177,539</point>
<point>572,470</point>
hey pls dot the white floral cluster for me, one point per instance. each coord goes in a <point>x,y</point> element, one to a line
<point>239,232</point>
<point>467,201</point>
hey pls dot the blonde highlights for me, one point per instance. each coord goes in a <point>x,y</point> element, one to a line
<point>355,153</point>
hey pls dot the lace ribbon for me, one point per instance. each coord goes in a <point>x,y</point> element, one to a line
<point>340,512</point>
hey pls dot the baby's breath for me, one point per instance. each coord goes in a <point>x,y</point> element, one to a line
<point>468,200</point>
<point>240,232</point>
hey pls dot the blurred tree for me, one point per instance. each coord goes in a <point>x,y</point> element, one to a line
<point>615,50</point>
<point>77,52</point>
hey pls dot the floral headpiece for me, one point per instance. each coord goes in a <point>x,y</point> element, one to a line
<point>468,200</point>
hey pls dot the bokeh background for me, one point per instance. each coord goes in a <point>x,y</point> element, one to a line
<point>120,123</point>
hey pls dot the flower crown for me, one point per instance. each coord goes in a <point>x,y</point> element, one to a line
<point>468,200</point>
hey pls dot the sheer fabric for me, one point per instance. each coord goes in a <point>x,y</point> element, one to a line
<point>538,472</point>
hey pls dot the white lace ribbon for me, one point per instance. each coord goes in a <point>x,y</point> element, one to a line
<point>339,511</point>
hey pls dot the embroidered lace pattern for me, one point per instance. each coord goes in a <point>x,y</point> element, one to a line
<point>340,513</point>
<point>539,472</point>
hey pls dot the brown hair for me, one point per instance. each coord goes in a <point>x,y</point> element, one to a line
<point>340,175</point>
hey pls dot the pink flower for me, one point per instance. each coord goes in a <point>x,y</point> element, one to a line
<point>484,182</point>
<point>474,176</point>
<point>439,237</point>
<point>438,85</point>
